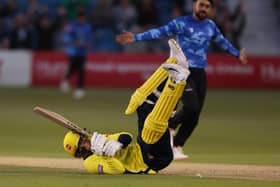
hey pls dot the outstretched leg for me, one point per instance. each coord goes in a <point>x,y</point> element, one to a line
<point>153,136</point>
<point>157,121</point>
<point>139,96</point>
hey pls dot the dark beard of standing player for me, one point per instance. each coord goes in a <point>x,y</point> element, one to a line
<point>201,15</point>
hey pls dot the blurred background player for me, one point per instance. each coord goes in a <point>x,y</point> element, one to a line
<point>114,154</point>
<point>77,39</point>
<point>193,33</point>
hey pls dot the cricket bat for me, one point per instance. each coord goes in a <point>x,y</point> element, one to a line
<point>60,120</point>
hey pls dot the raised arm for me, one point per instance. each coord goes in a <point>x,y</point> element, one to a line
<point>170,29</point>
<point>227,46</point>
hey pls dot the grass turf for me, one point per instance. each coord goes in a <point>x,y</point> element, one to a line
<point>239,127</point>
<point>42,177</point>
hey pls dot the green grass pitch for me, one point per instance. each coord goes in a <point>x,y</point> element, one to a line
<point>238,127</point>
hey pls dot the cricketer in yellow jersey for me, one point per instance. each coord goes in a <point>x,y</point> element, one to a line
<point>115,154</point>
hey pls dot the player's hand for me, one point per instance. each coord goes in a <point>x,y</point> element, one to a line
<point>243,57</point>
<point>125,37</point>
<point>112,147</point>
<point>97,143</point>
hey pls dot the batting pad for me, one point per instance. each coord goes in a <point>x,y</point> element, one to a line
<point>103,165</point>
<point>139,96</point>
<point>157,121</point>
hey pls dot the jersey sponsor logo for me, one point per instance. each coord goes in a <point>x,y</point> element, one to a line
<point>191,30</point>
<point>171,87</point>
<point>100,168</point>
<point>68,147</point>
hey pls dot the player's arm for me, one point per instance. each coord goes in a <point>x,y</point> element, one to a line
<point>124,138</point>
<point>108,145</point>
<point>219,39</point>
<point>170,29</point>
<point>116,142</point>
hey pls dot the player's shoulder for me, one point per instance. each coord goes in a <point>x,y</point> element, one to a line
<point>210,22</point>
<point>183,18</point>
<point>188,17</point>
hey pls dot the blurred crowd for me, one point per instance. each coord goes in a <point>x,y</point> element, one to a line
<point>276,6</point>
<point>39,24</point>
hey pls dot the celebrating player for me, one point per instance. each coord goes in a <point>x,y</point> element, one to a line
<point>193,33</point>
<point>115,154</point>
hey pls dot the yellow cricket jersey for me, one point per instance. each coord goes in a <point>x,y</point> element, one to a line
<point>128,159</point>
<point>131,158</point>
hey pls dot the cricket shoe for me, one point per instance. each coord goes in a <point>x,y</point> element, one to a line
<point>178,153</point>
<point>64,86</point>
<point>79,94</point>
<point>177,53</point>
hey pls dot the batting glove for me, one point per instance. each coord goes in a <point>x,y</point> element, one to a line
<point>97,143</point>
<point>111,147</point>
<point>176,72</point>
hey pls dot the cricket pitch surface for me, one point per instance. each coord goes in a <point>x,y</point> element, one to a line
<point>253,172</point>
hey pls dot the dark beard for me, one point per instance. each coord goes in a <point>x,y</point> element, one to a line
<point>201,15</point>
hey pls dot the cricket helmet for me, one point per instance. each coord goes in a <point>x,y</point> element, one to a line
<point>71,143</point>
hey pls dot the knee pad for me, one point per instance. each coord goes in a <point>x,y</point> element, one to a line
<point>157,121</point>
<point>139,96</point>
